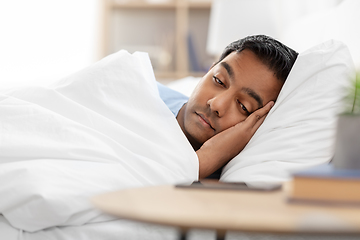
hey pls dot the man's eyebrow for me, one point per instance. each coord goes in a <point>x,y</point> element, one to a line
<point>248,91</point>
<point>228,68</point>
<point>254,95</point>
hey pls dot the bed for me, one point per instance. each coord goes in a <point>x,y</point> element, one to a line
<point>80,142</point>
<point>63,144</point>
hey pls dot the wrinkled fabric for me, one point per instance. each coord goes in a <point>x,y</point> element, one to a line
<point>102,129</point>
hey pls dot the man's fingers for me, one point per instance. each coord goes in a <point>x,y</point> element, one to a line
<point>259,122</point>
<point>258,117</point>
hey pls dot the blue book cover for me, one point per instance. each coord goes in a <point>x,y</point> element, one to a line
<point>328,171</point>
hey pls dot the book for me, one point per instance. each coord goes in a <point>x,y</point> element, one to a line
<point>193,58</point>
<point>326,184</point>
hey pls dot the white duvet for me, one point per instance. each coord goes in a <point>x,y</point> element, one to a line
<point>102,129</point>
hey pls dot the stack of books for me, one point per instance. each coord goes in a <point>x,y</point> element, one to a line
<point>326,184</point>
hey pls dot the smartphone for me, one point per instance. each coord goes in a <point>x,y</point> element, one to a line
<point>211,184</point>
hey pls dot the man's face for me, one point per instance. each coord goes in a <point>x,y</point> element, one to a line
<point>227,95</point>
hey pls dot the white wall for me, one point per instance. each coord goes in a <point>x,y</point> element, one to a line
<point>44,40</point>
<point>340,22</point>
<point>234,19</point>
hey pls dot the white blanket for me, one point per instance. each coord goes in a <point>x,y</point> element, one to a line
<point>102,129</point>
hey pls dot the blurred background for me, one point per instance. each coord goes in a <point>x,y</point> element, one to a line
<point>44,40</point>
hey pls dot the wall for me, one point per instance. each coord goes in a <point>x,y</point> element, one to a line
<point>44,40</point>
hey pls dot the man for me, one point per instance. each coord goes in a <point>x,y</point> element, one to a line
<point>232,100</point>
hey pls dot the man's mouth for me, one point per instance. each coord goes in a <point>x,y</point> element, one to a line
<point>204,121</point>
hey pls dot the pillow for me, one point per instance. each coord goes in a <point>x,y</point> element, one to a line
<point>185,85</point>
<point>299,131</point>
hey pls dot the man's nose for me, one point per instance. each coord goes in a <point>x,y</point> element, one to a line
<point>220,103</point>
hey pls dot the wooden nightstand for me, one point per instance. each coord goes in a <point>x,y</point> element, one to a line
<point>224,210</point>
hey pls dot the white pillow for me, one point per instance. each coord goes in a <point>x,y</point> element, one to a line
<point>299,131</point>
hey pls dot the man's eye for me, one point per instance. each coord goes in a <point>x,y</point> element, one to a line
<point>244,108</point>
<point>218,81</point>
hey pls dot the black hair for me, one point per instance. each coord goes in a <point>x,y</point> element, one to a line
<point>278,57</point>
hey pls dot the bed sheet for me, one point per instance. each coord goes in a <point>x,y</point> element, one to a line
<point>122,229</point>
<point>111,230</point>
<point>102,129</point>
<point>7,232</point>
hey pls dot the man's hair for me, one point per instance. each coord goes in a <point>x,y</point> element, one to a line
<point>278,57</point>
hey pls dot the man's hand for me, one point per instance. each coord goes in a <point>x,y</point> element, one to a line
<point>222,147</point>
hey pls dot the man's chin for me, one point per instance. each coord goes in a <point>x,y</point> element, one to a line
<point>196,142</point>
<point>201,140</point>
